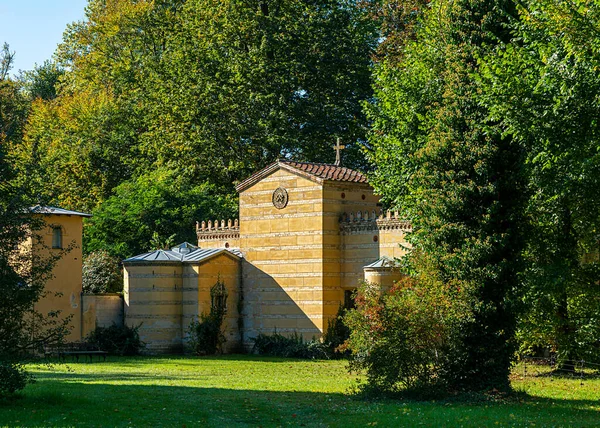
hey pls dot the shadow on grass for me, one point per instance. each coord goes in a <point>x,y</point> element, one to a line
<point>185,359</point>
<point>83,399</point>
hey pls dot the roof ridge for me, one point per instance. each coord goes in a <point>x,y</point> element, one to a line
<point>315,171</point>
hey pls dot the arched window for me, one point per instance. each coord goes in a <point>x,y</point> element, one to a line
<point>56,237</point>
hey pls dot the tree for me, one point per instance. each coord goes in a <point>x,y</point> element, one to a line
<point>22,274</point>
<point>219,93</point>
<point>165,202</point>
<point>458,178</point>
<point>101,273</point>
<point>42,82</point>
<point>542,90</point>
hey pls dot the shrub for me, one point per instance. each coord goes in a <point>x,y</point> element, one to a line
<point>117,340</point>
<point>292,346</point>
<point>205,337</point>
<point>13,378</point>
<point>404,338</point>
<point>336,335</point>
<point>101,273</point>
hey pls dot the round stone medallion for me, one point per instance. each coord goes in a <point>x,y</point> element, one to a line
<point>280,198</point>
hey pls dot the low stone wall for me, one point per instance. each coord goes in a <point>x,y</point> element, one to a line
<point>100,310</point>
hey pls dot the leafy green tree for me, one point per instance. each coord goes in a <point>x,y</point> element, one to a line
<point>101,273</point>
<point>458,178</point>
<point>236,85</point>
<point>22,274</point>
<point>42,81</point>
<point>76,149</point>
<point>164,201</point>
<point>14,107</point>
<point>543,91</point>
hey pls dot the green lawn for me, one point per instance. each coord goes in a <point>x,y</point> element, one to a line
<point>241,390</point>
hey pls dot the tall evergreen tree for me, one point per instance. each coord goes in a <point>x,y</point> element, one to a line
<point>456,176</point>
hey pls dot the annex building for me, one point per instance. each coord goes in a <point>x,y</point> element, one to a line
<point>307,234</point>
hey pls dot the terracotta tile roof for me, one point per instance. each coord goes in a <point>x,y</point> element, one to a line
<point>318,172</point>
<point>328,171</point>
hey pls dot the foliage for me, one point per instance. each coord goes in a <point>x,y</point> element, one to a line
<point>336,335</point>
<point>205,337</point>
<point>215,94</point>
<point>41,82</point>
<point>117,339</point>
<point>542,90</point>
<point>456,176</point>
<point>101,273</point>
<point>22,274</point>
<point>13,377</point>
<point>14,107</point>
<point>76,149</point>
<point>292,346</point>
<point>163,202</point>
<point>405,338</point>
<point>159,243</point>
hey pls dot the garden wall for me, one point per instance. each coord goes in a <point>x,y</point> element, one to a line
<point>100,310</point>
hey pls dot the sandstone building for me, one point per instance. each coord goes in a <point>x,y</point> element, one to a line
<point>62,235</point>
<point>307,234</point>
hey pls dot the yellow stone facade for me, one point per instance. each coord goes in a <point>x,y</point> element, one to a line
<point>299,260</point>
<point>64,289</point>
<point>164,297</point>
<point>304,236</point>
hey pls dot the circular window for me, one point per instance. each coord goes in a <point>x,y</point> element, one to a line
<point>343,195</point>
<point>364,197</point>
<point>226,244</point>
<point>375,238</point>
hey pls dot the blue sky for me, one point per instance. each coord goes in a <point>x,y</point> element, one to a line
<point>33,28</point>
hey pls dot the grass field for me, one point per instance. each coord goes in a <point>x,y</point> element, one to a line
<point>241,390</point>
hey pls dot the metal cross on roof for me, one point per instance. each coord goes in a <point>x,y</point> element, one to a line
<point>338,156</point>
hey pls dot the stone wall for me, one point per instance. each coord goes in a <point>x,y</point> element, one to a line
<point>100,310</point>
<point>218,234</point>
<point>283,249</point>
<point>344,259</point>
<point>198,281</point>
<point>367,236</point>
<point>153,298</point>
<point>166,297</point>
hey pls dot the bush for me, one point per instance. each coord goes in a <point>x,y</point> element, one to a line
<point>205,337</point>
<point>293,346</point>
<point>102,273</point>
<point>336,335</point>
<point>13,378</point>
<point>117,340</point>
<point>403,339</point>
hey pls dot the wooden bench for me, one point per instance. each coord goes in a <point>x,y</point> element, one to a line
<point>75,350</point>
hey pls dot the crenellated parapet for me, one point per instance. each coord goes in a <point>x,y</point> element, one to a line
<point>362,221</point>
<point>211,230</point>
